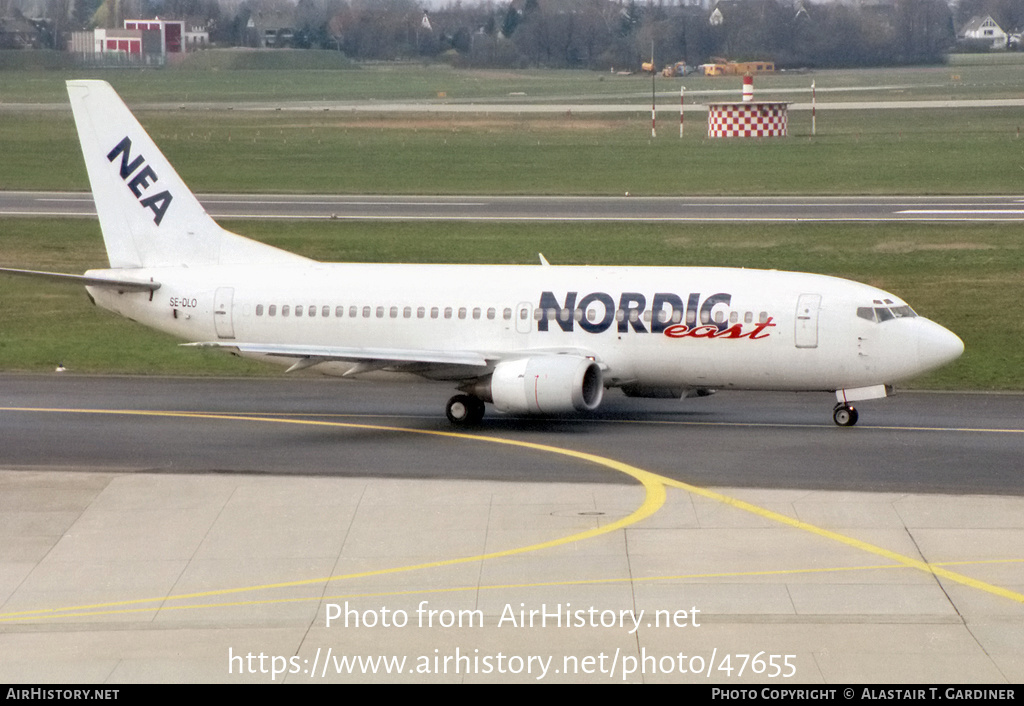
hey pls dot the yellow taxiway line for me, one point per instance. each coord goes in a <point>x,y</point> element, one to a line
<point>655,487</point>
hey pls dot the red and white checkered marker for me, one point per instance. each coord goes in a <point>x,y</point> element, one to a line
<point>748,119</point>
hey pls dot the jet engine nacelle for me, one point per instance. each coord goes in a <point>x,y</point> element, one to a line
<point>547,384</point>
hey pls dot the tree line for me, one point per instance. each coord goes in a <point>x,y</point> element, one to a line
<point>592,34</point>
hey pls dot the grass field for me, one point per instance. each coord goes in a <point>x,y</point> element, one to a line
<point>862,152</point>
<point>970,279</point>
<point>856,152</point>
<point>281,75</point>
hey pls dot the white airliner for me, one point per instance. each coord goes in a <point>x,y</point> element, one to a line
<point>537,339</point>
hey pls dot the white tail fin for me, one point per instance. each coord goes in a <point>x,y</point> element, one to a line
<point>148,216</point>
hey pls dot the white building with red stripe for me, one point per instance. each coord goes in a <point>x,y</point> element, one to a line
<point>140,40</point>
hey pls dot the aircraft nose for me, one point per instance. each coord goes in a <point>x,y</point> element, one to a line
<point>937,346</point>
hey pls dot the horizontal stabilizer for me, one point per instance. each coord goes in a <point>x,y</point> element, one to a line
<point>122,285</point>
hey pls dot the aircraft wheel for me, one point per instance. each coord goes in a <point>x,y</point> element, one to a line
<point>465,410</point>
<point>845,415</point>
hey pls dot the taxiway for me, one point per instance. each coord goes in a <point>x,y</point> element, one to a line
<point>158,529</point>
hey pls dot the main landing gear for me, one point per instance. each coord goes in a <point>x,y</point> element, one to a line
<point>465,410</point>
<point>844,415</point>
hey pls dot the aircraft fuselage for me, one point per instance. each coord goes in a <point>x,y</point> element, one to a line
<point>662,327</point>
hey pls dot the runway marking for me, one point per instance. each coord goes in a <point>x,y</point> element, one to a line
<point>655,495</point>
<point>964,212</point>
<point>347,203</point>
<point>781,425</point>
<point>1012,217</point>
<point>612,420</point>
<point>709,218</point>
<point>490,587</point>
<point>932,568</point>
<point>653,500</point>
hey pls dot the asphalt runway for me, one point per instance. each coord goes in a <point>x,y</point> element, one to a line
<point>914,442</point>
<point>783,209</point>
<point>194,530</point>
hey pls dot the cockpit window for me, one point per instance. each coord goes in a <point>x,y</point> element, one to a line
<point>885,311</point>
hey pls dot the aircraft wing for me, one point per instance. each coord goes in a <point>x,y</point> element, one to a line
<point>370,358</point>
<point>419,361</point>
<point>120,284</point>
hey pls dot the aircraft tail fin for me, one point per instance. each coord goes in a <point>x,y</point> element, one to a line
<point>148,216</point>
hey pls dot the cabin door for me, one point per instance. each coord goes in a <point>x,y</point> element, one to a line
<point>222,301</point>
<point>807,320</point>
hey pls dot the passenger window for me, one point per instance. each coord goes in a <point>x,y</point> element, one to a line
<point>339,312</point>
<point>298,311</point>
<point>272,310</point>
<point>285,309</point>
<point>394,312</point>
<point>434,312</point>
<point>421,312</point>
<point>476,312</point>
<point>312,310</point>
<point>762,317</point>
<point>259,310</point>
<point>462,312</point>
<point>326,312</point>
<point>491,313</point>
<point>407,312</point>
<point>748,318</point>
<point>447,312</point>
<point>380,312</point>
<point>366,312</point>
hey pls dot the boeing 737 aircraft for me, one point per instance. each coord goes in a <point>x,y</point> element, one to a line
<point>537,339</point>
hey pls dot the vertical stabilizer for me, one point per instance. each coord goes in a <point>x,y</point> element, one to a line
<point>148,216</point>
